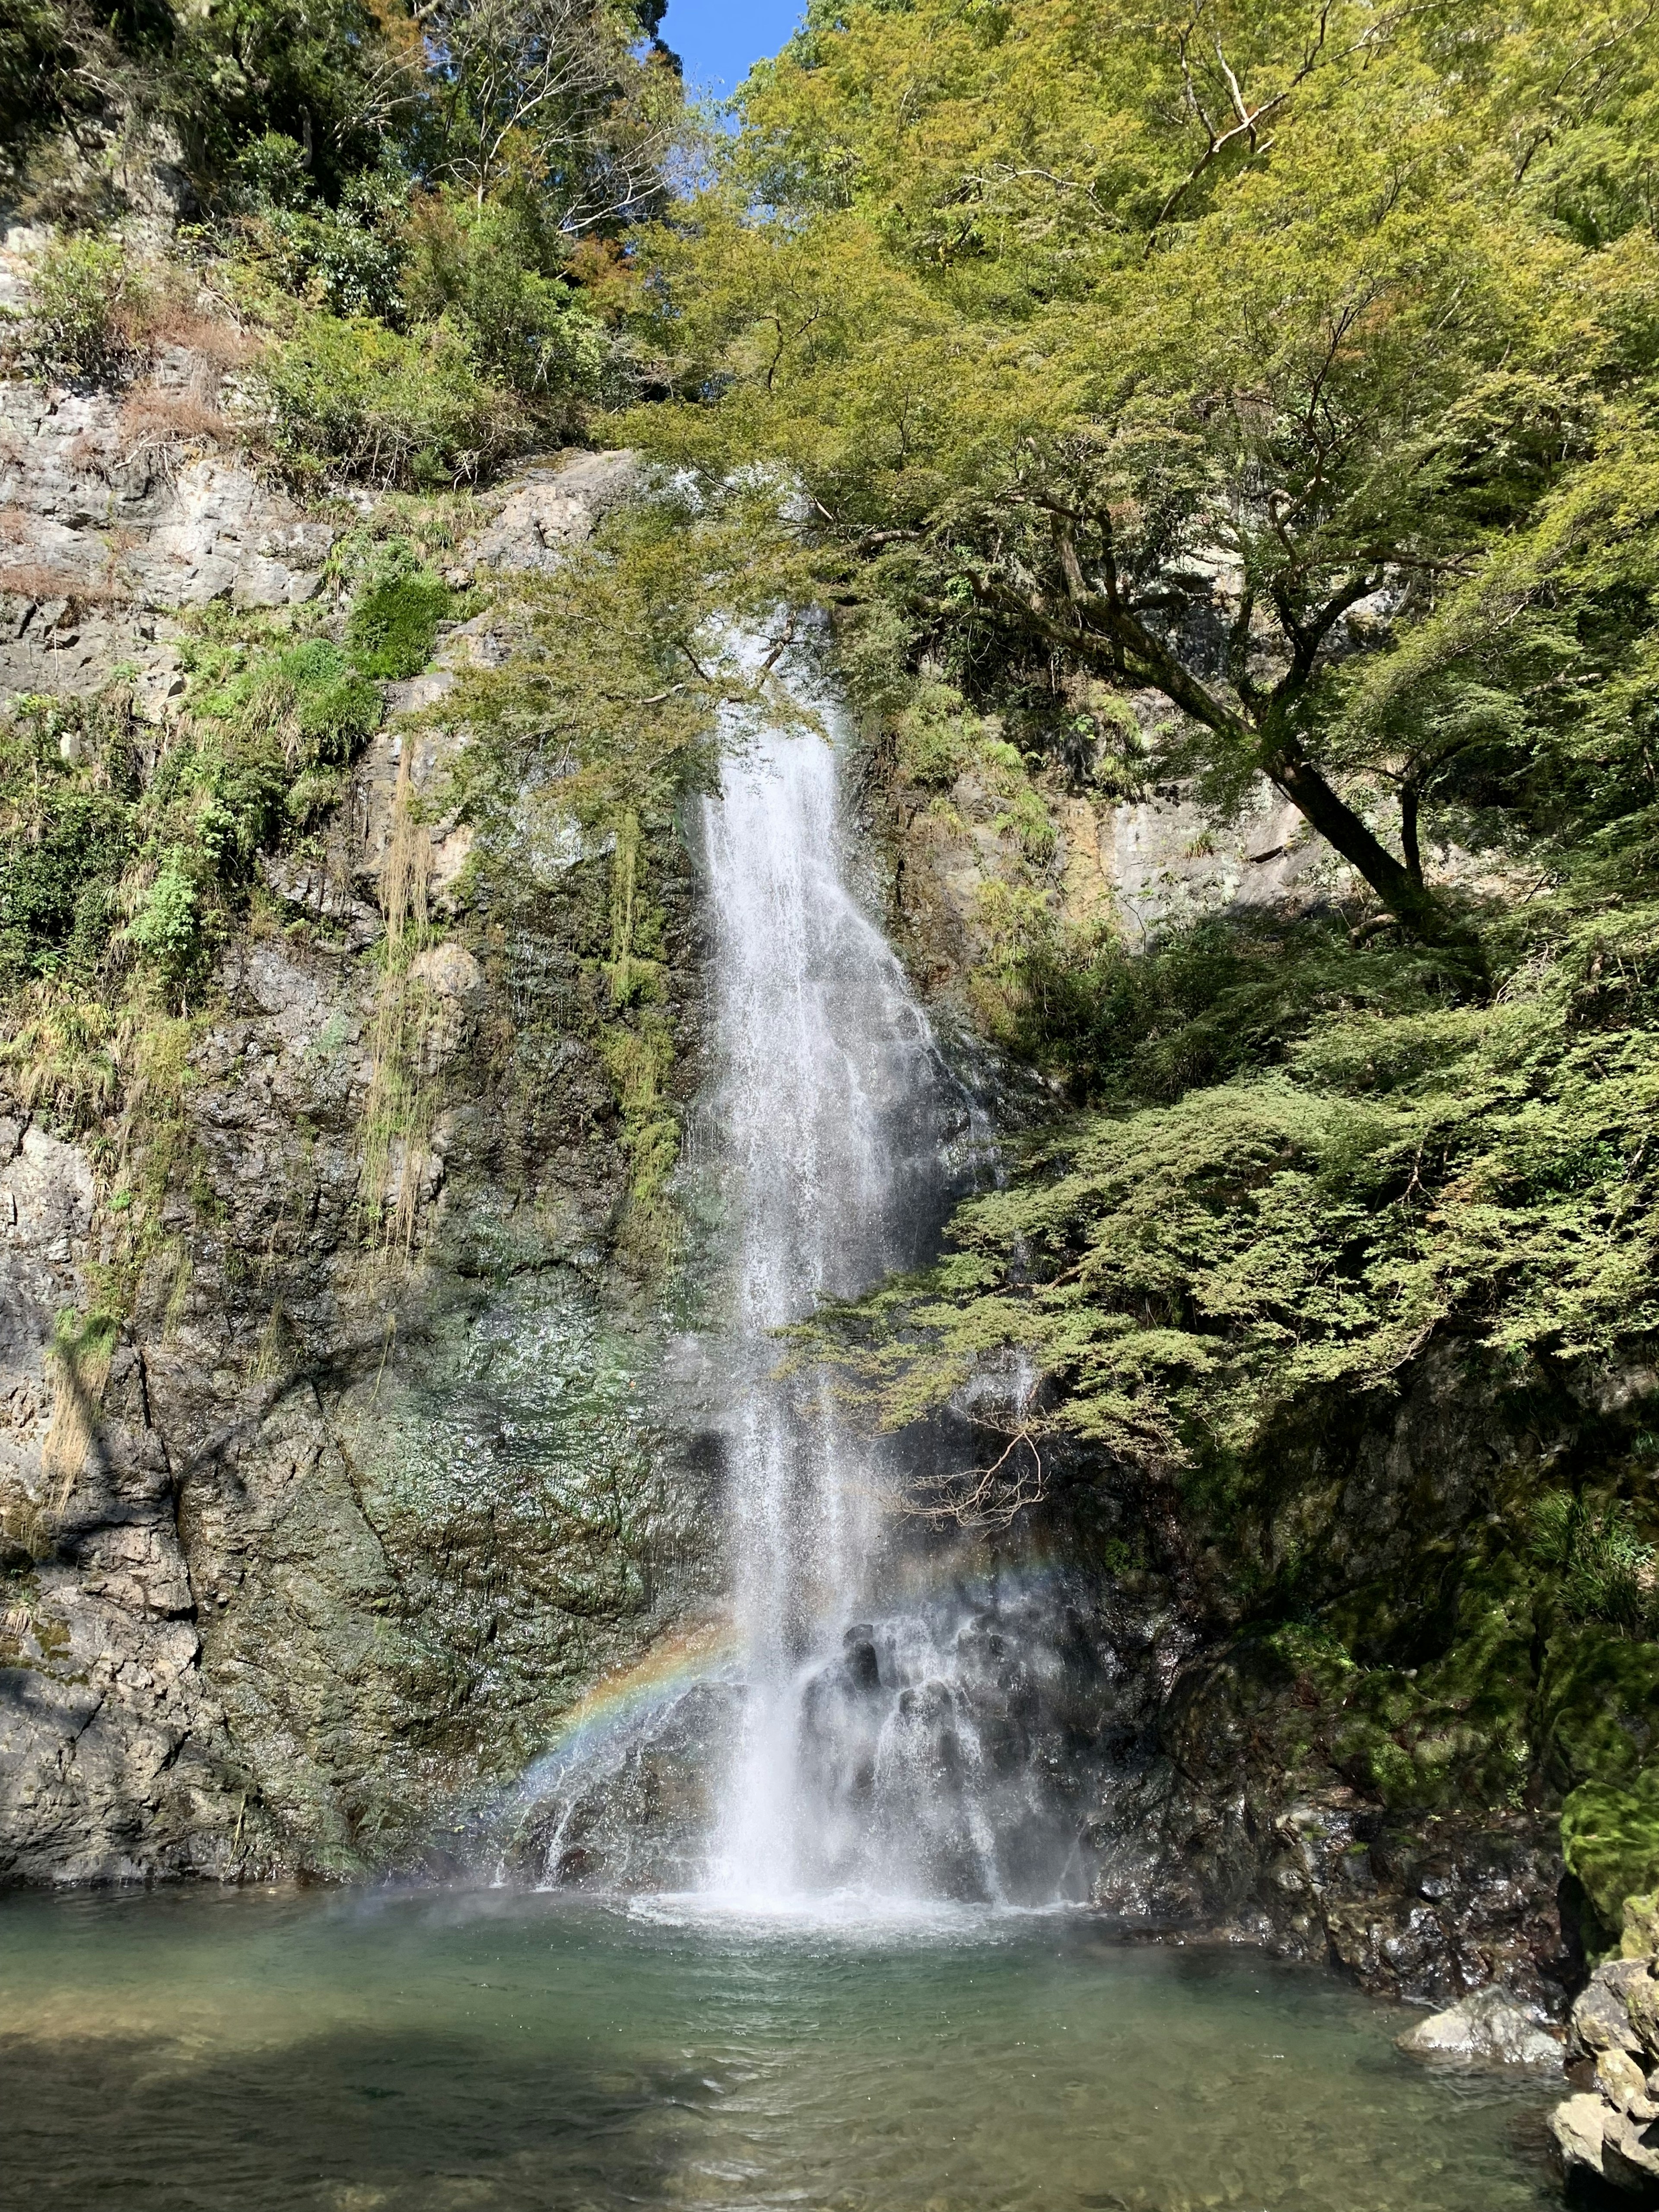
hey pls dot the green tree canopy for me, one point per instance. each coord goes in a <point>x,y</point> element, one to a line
<point>1205,354</point>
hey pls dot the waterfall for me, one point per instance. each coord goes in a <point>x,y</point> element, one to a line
<point>856,1759</point>
<point>895,1715</point>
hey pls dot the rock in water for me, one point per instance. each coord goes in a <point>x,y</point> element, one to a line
<point>1577,2127</point>
<point>1486,2028</point>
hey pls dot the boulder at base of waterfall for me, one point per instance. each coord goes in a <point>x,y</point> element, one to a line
<point>1612,2134</point>
<point>1486,2028</point>
<point>1630,2157</point>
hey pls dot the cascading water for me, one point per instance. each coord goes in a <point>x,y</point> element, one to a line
<point>883,1747</point>
<point>896,1720</point>
<point>832,1110</point>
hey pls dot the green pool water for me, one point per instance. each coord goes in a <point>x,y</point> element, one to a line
<point>291,2049</point>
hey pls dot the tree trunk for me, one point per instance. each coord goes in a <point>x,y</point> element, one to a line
<point>1409,900</point>
<point>1124,641</point>
<point>1408,838</point>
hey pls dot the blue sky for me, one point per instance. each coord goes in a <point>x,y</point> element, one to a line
<point>719,40</point>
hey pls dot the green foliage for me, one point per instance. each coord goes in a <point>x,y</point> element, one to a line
<point>398,205</point>
<point>1607,1573</point>
<point>935,738</point>
<point>493,272</point>
<point>1181,1273</point>
<point>349,396</point>
<point>334,76</point>
<point>65,837</point>
<point>622,667</point>
<point>273,172</point>
<point>1611,1839</point>
<point>436,338</point>
<point>312,697</point>
<point>35,52</point>
<point>59,61</point>
<point>86,306</point>
<point>56,873</point>
<point>168,920</point>
<point>1202,1005</point>
<point>394,624</point>
<point>1090,375</point>
<point>559,97</point>
<point>347,259</point>
<point>116,849</point>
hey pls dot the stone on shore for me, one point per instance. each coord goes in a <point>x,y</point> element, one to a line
<point>1612,2132</point>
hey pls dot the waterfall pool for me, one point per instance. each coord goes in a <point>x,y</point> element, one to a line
<point>444,2052</point>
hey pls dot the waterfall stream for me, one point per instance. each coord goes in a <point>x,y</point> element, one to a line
<point>855,1758</point>
<point>896,1715</point>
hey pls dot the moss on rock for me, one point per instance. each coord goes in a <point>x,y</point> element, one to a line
<point>1610,1837</point>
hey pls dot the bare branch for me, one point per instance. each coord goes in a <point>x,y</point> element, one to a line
<point>983,1498</point>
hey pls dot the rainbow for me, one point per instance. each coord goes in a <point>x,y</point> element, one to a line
<point>708,1647</point>
<point>655,1679</point>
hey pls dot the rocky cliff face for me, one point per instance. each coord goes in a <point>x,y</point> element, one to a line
<point>115,513</point>
<point>384,1465</point>
<point>313,1552</point>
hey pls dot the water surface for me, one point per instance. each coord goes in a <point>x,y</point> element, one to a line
<point>428,2052</point>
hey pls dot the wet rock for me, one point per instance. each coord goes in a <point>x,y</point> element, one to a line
<point>863,1667</point>
<point>1600,2017</point>
<point>1622,2082</point>
<point>312,890</point>
<point>356,1520</point>
<point>1577,2127</point>
<point>1629,2158</point>
<point>631,1811</point>
<point>1487,2028</point>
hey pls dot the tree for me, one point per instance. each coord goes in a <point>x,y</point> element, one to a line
<point>1204,356</point>
<point>553,91</point>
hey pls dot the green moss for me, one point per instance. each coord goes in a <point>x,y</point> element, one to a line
<point>1598,1704</point>
<point>1640,1937</point>
<point>393,625</point>
<point>638,1058</point>
<point>1456,1730</point>
<point>1610,1837</point>
<point>1027,819</point>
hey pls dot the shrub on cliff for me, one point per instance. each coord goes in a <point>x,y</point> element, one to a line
<point>1375,1163</point>
<point>346,395</point>
<point>121,850</point>
<point>61,854</point>
<point>494,272</point>
<point>87,311</point>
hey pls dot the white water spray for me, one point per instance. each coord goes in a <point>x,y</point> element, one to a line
<point>857,1761</point>
<point>906,1723</point>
